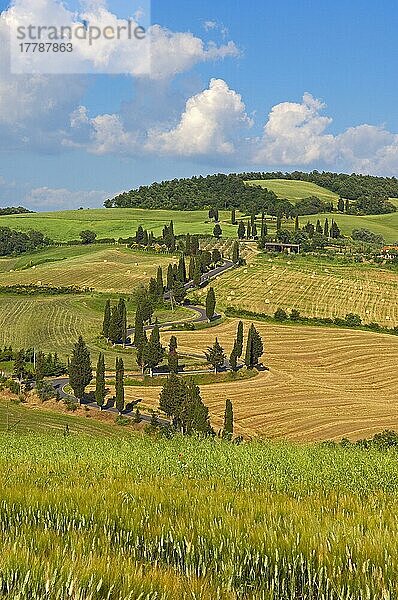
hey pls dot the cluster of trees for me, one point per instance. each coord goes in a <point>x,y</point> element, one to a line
<point>215,355</point>
<point>14,210</point>
<point>366,190</point>
<point>369,194</point>
<point>364,235</point>
<point>214,214</point>
<point>182,403</point>
<point>29,363</point>
<point>114,325</point>
<point>329,231</point>
<point>16,242</point>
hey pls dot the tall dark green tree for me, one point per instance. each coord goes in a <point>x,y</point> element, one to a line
<point>19,365</point>
<point>138,327</point>
<point>210,304</point>
<point>233,216</point>
<point>80,370</point>
<point>159,281</point>
<point>326,228</point>
<point>141,351</point>
<point>153,351</point>
<point>172,398</point>
<point>122,321</point>
<point>215,355</point>
<point>119,385</point>
<point>296,224</point>
<point>40,366</point>
<point>197,274</point>
<point>182,272</point>
<point>254,348</point>
<point>114,329</point>
<point>239,339</point>
<point>194,414</point>
<point>191,268</point>
<point>217,231</point>
<point>107,319</point>
<point>228,420</point>
<point>100,389</point>
<point>179,292</point>
<point>233,358</point>
<point>241,230</point>
<point>170,277</point>
<point>340,205</point>
<point>278,223</point>
<point>235,253</point>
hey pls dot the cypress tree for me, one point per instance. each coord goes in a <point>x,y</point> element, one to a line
<point>191,268</point>
<point>296,224</point>
<point>347,206</point>
<point>210,304</point>
<point>19,364</point>
<point>197,274</point>
<point>119,385</point>
<point>248,231</point>
<point>80,371</point>
<point>153,352</point>
<point>326,228</point>
<point>254,231</point>
<point>278,223</point>
<point>233,358</point>
<point>249,350</point>
<point>194,413</point>
<point>107,319</point>
<point>217,231</point>
<point>122,321</point>
<point>241,230</point>
<point>228,420</point>
<point>159,281</point>
<point>254,348</point>
<point>239,339</point>
<point>188,251</point>
<point>182,273</point>
<point>318,227</point>
<point>179,292</point>
<point>172,361</point>
<point>173,344</point>
<point>235,253</point>
<point>172,398</point>
<point>114,329</point>
<point>100,390</point>
<point>40,366</point>
<point>194,245</point>
<point>215,355</point>
<point>141,349</point>
<point>170,277</point>
<point>233,216</point>
<point>138,327</point>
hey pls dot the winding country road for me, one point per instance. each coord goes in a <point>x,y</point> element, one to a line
<point>60,383</point>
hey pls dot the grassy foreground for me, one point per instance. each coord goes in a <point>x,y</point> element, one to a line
<point>120,519</point>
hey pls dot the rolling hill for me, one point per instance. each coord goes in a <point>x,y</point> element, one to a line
<point>295,190</point>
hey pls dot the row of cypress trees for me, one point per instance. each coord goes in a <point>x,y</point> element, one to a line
<point>114,326</point>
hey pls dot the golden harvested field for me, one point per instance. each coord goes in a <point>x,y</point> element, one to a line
<point>314,287</point>
<point>106,269</point>
<point>322,383</point>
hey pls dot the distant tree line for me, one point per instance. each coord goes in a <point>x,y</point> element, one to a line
<point>14,210</point>
<point>369,195</point>
<point>16,242</point>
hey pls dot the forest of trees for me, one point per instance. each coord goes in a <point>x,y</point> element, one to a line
<point>14,210</point>
<point>17,242</point>
<point>367,194</point>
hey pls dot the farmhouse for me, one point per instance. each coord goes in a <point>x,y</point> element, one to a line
<point>280,247</point>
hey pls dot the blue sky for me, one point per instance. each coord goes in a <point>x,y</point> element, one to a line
<point>262,58</point>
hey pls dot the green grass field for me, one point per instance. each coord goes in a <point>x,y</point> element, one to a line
<point>54,323</point>
<point>155,519</point>
<point>314,286</point>
<point>385,225</point>
<point>115,223</point>
<point>295,190</point>
<point>101,267</point>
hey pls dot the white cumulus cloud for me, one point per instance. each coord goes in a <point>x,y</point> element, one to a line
<point>209,125</point>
